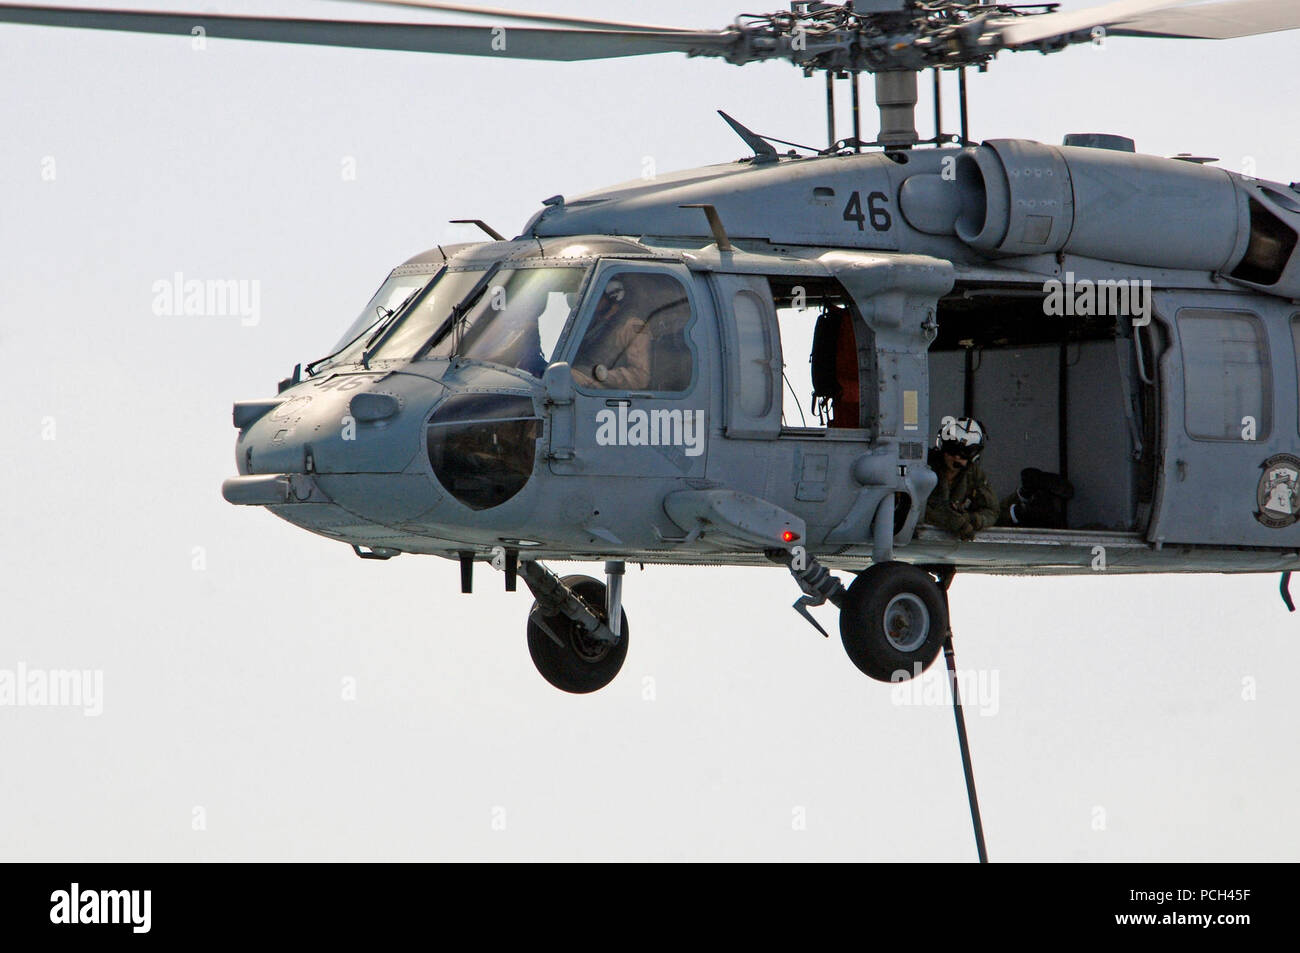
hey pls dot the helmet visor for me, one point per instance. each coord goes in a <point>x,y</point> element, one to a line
<point>959,449</point>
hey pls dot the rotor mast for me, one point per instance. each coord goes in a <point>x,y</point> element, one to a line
<point>896,98</point>
<point>877,37</point>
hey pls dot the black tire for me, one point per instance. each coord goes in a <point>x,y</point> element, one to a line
<point>917,621</point>
<point>582,665</point>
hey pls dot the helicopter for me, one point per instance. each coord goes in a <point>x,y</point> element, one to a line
<point>612,384</point>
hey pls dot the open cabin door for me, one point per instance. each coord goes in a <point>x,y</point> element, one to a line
<point>1230,473</point>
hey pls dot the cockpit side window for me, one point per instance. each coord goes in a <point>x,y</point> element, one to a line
<point>637,337</point>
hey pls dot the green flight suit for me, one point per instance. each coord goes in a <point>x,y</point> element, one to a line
<point>967,506</point>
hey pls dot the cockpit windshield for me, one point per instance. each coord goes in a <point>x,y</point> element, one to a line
<point>392,295</point>
<point>517,319</point>
<point>514,319</point>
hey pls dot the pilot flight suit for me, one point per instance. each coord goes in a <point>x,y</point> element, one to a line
<point>625,353</point>
<point>965,506</point>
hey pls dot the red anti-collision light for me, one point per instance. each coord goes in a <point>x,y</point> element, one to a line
<point>789,536</point>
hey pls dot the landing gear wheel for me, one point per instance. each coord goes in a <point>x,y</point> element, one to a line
<point>582,664</point>
<point>893,621</point>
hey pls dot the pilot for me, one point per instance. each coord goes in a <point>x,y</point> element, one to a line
<point>963,502</point>
<point>615,354</point>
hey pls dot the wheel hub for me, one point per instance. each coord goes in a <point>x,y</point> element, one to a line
<point>907,622</point>
<point>587,648</point>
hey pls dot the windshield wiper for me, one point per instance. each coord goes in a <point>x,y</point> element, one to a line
<point>385,325</point>
<point>385,316</point>
<point>459,311</point>
<point>385,321</point>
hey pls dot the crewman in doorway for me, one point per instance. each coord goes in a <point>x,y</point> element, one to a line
<point>963,502</point>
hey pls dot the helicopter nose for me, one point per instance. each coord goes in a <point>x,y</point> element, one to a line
<point>409,453</point>
<point>342,433</point>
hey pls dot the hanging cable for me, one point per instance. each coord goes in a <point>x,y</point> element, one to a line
<point>945,575</point>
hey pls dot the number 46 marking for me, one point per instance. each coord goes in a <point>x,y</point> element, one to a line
<point>877,211</point>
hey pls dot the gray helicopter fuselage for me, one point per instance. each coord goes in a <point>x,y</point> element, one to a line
<point>947,263</point>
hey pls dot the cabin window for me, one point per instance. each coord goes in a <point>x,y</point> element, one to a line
<point>1226,384</point>
<point>819,331</point>
<point>637,337</point>
<point>754,343</point>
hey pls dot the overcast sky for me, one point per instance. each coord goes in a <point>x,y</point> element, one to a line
<point>1122,719</point>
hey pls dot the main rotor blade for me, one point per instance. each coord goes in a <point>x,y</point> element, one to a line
<point>550,20</point>
<point>520,43</point>
<point>1021,31</point>
<point>1219,21</point>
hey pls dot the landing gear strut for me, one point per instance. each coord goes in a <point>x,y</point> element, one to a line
<point>569,636</point>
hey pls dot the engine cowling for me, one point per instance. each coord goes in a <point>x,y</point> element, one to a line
<point>1015,197</point>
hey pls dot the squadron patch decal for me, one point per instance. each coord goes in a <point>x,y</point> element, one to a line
<point>1278,496</point>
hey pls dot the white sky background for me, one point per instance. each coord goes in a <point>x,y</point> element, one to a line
<point>223,686</point>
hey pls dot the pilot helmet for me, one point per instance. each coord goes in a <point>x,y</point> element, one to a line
<point>962,437</point>
<point>614,293</point>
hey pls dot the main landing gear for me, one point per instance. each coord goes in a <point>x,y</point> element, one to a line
<point>893,616</point>
<point>893,620</point>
